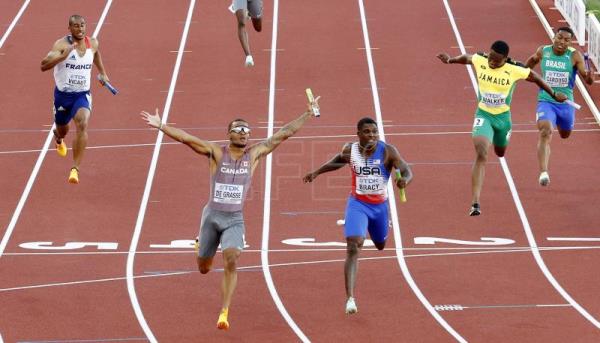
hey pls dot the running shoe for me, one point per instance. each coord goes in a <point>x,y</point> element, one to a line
<point>544,179</point>
<point>61,148</point>
<point>197,245</point>
<point>351,306</point>
<point>249,61</point>
<point>222,323</point>
<point>475,210</point>
<point>74,176</point>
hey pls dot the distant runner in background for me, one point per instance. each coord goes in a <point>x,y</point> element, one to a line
<point>244,9</point>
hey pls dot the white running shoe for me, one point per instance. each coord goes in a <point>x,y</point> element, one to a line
<point>249,61</point>
<point>351,306</point>
<point>544,179</point>
<point>230,8</point>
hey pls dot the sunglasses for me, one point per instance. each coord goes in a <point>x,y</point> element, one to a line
<point>240,129</point>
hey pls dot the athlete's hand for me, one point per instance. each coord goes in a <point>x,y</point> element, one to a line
<point>310,177</point>
<point>312,106</point>
<point>103,78</point>
<point>151,120</point>
<point>560,97</point>
<point>401,183</point>
<point>444,57</point>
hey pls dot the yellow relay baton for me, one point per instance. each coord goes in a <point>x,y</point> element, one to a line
<point>400,190</point>
<point>311,99</point>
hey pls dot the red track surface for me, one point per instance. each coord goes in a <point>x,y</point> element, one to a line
<point>427,108</point>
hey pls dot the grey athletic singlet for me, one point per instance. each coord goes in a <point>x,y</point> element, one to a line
<point>230,183</point>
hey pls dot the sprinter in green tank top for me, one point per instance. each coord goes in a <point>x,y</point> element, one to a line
<point>559,64</point>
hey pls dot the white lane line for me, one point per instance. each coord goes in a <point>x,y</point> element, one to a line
<point>586,95</point>
<point>469,250</point>
<point>456,307</point>
<point>151,172</point>
<point>38,163</point>
<point>288,264</point>
<point>264,256</point>
<point>574,239</point>
<point>411,134</point>
<point>392,201</point>
<point>525,222</point>
<point>12,26</point>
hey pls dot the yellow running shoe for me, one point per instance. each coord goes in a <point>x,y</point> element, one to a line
<point>74,176</point>
<point>222,323</point>
<point>61,149</point>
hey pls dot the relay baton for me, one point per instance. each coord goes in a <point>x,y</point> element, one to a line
<point>108,86</point>
<point>586,58</point>
<point>311,99</point>
<point>401,190</point>
<point>572,103</point>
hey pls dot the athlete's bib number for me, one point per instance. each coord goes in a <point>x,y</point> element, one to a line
<point>557,78</point>
<point>78,81</point>
<point>478,122</point>
<point>493,99</point>
<point>370,185</point>
<point>228,194</point>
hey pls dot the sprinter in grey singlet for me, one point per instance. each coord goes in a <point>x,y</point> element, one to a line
<point>231,168</point>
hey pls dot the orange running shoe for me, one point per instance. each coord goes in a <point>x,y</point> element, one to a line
<point>222,323</point>
<point>74,176</point>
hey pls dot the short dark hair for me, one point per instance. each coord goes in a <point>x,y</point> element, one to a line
<point>363,121</point>
<point>75,17</point>
<point>566,29</point>
<point>500,47</point>
<point>233,121</point>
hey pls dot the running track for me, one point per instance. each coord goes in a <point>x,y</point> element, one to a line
<point>183,57</point>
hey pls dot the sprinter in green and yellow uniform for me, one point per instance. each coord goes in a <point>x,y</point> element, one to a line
<point>497,76</point>
<point>559,64</point>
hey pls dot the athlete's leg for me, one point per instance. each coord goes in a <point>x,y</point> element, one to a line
<point>240,15</point>
<point>230,259</point>
<point>482,145</point>
<point>353,246</point>
<point>204,264</point>
<point>80,141</point>
<point>543,146</point>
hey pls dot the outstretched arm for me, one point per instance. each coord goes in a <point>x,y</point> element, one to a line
<point>460,59</point>
<point>335,163</point>
<point>534,77</point>
<point>60,51</point>
<point>288,130</point>
<point>584,73</point>
<point>397,162</point>
<point>98,61</point>
<point>534,59</point>
<point>198,145</point>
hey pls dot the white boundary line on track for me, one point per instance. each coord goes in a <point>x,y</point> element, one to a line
<point>526,227</point>
<point>287,264</point>
<point>264,256</point>
<point>393,209</point>
<point>448,133</point>
<point>151,172</point>
<point>40,160</point>
<point>9,30</point>
<point>586,95</point>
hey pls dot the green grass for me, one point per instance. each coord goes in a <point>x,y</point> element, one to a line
<point>593,6</point>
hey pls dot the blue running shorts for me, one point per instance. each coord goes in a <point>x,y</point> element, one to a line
<point>562,115</point>
<point>66,105</point>
<point>362,217</point>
